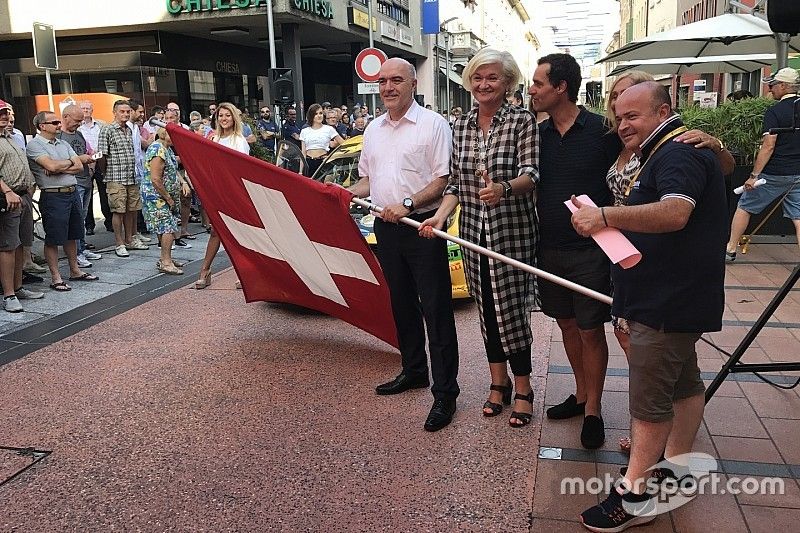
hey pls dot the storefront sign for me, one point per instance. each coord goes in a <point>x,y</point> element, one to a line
<point>405,37</point>
<point>319,8</point>
<point>356,17</point>
<point>227,67</point>
<point>176,7</point>
<point>388,29</point>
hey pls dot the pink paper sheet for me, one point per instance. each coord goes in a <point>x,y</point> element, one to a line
<point>611,240</point>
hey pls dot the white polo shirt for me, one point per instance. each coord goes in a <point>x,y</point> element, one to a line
<point>401,158</point>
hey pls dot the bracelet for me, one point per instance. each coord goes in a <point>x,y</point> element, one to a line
<point>603,212</point>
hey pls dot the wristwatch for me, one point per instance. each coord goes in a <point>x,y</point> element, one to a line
<point>507,189</point>
<point>408,203</point>
<point>721,146</point>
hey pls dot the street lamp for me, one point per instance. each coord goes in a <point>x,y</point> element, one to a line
<point>442,28</point>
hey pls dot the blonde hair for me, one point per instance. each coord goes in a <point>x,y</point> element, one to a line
<point>636,77</point>
<point>162,133</point>
<point>490,56</point>
<point>237,120</point>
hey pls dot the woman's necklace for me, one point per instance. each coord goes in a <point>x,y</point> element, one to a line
<point>481,143</point>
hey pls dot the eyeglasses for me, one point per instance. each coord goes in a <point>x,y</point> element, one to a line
<point>52,123</point>
<point>173,109</point>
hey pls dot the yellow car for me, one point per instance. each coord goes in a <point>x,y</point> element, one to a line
<point>341,166</point>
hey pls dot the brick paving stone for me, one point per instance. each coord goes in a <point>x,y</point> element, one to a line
<point>786,436</point>
<point>789,499</point>
<point>539,525</point>
<point>747,449</point>
<point>770,519</point>
<point>733,417</point>
<point>548,502</point>
<point>772,402</point>
<point>710,512</point>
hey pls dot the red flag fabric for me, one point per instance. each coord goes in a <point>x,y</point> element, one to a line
<point>290,238</point>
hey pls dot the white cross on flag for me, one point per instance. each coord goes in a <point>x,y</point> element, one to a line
<point>290,239</point>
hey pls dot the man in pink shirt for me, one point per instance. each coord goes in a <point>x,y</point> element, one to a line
<point>404,166</point>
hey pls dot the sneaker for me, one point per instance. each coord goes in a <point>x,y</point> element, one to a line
<point>82,262</point>
<point>121,251</point>
<point>31,278</point>
<point>39,260</point>
<point>142,238</point>
<point>137,245</point>
<point>24,294</point>
<point>180,243</point>
<point>12,305</point>
<point>730,257</point>
<point>618,513</point>
<point>91,256</point>
<point>90,246</point>
<point>34,268</point>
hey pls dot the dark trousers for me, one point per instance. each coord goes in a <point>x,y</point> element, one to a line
<point>520,361</point>
<point>101,189</point>
<point>418,276</point>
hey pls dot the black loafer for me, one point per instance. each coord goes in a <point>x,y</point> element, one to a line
<point>566,409</point>
<point>593,434</point>
<point>441,414</point>
<point>31,278</point>
<point>400,384</point>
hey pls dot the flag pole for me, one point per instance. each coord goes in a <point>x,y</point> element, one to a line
<point>499,257</point>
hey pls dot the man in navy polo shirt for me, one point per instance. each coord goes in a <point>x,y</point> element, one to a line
<point>675,215</point>
<point>778,162</point>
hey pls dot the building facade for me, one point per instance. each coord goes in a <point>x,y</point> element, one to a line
<point>195,52</point>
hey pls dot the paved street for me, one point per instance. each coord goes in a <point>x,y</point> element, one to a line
<point>142,404</point>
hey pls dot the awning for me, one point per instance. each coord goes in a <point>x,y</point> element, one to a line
<point>454,77</point>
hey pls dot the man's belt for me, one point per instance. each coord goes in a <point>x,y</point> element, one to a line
<point>71,188</point>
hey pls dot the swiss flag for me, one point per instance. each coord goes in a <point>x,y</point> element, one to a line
<point>291,239</point>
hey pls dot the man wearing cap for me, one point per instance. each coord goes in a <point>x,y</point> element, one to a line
<point>16,218</point>
<point>54,165</point>
<point>778,162</point>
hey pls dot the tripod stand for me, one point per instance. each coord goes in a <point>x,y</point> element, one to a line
<point>733,365</point>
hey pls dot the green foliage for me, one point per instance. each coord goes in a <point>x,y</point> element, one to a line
<point>256,149</point>
<point>737,124</point>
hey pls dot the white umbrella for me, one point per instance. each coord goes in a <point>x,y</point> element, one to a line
<point>678,66</point>
<point>725,35</point>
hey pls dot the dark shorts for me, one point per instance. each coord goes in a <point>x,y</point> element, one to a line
<point>62,217</point>
<point>588,267</point>
<point>663,368</point>
<point>16,227</point>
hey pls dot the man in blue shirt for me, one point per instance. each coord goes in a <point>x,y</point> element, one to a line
<point>267,132</point>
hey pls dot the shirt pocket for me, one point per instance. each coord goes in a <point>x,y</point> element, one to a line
<point>412,158</point>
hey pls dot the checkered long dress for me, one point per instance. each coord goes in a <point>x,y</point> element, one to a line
<point>511,227</point>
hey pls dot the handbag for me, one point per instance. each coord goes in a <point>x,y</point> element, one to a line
<point>3,204</point>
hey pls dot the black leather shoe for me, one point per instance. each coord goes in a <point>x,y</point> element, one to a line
<point>31,278</point>
<point>441,414</point>
<point>400,384</point>
<point>593,433</point>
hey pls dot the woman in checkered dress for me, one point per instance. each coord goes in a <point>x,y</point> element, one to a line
<point>493,173</point>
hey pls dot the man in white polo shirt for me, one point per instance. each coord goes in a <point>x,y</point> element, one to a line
<point>404,166</point>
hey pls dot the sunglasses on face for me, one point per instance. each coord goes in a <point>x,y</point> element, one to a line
<point>53,122</point>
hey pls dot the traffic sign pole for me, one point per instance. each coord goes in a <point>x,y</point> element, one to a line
<point>371,44</point>
<point>49,90</point>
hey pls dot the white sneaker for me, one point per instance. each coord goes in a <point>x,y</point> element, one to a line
<point>121,251</point>
<point>82,262</point>
<point>24,294</point>
<point>91,256</point>
<point>12,305</point>
<point>142,238</point>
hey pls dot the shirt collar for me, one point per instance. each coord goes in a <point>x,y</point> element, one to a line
<point>412,115</point>
<point>580,120</point>
<point>790,95</point>
<point>498,118</point>
<point>669,125</point>
<point>54,141</point>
